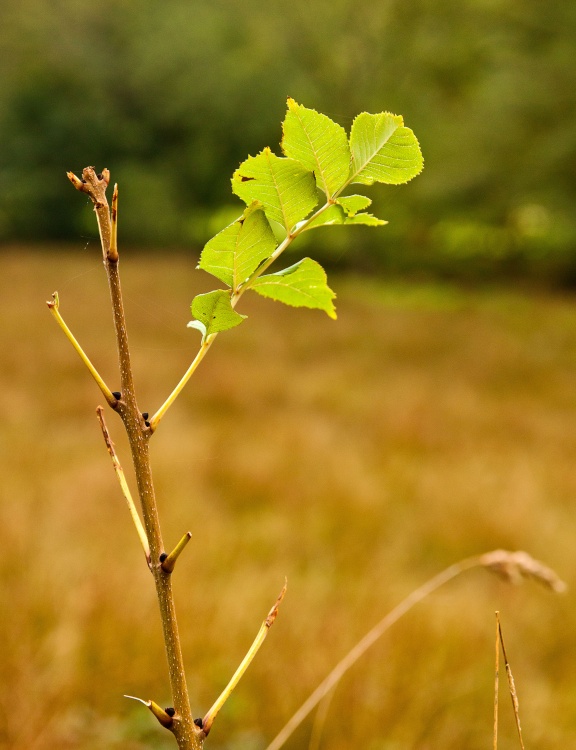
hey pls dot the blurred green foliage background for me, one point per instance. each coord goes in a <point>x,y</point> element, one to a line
<point>172,96</point>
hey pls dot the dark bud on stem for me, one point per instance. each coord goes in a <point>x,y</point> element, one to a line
<point>117,395</point>
<point>147,423</point>
<point>163,556</point>
<point>145,415</point>
<point>170,711</point>
<point>199,723</point>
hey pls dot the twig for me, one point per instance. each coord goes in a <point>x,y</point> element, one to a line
<point>205,346</point>
<point>94,185</point>
<point>54,307</point>
<point>252,651</point>
<point>124,485</point>
<point>113,255</point>
<point>169,561</point>
<point>164,716</point>
<point>187,735</point>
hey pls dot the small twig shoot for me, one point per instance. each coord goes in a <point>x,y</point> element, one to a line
<point>124,485</point>
<point>252,651</point>
<point>54,307</point>
<point>164,716</point>
<point>169,561</point>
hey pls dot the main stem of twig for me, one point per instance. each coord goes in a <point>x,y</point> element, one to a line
<point>188,736</point>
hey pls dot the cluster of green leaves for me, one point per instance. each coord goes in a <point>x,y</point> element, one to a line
<point>319,163</point>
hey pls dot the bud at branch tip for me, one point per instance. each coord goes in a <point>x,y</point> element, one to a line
<point>168,562</point>
<point>165,717</point>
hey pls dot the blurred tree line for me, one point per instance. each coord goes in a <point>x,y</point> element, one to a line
<point>171,96</point>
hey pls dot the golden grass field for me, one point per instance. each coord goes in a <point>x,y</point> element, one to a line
<point>357,457</point>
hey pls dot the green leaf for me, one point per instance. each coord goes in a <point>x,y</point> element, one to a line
<point>319,144</point>
<point>368,220</point>
<point>235,252</point>
<point>286,190</point>
<point>383,150</point>
<point>335,214</point>
<point>353,203</point>
<point>215,311</point>
<point>301,285</point>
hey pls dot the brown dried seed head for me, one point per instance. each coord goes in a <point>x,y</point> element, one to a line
<point>515,566</point>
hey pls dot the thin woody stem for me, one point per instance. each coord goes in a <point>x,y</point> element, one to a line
<point>54,306</point>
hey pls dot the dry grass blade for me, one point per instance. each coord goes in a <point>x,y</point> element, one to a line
<point>319,722</point>
<point>364,644</point>
<point>496,681</point>
<point>512,687</point>
<point>514,566</point>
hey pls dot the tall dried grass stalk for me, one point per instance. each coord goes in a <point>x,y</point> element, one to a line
<point>513,566</point>
<point>496,681</point>
<point>511,684</point>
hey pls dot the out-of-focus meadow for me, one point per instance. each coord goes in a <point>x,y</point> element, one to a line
<point>357,457</point>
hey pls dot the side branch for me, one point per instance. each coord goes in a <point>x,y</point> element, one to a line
<point>113,254</point>
<point>124,485</point>
<point>252,651</point>
<point>168,562</point>
<point>54,306</point>
<point>165,716</point>
<point>206,344</point>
